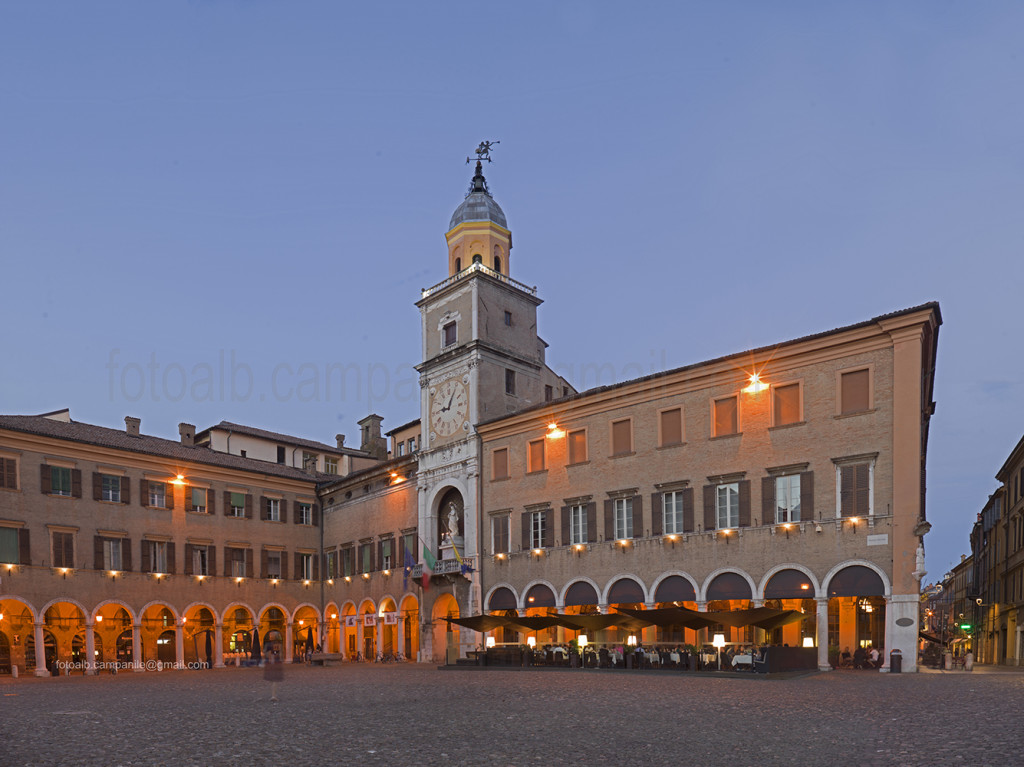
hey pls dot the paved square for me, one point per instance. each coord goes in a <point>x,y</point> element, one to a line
<point>414,714</point>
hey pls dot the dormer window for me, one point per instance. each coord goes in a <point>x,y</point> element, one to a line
<point>450,334</point>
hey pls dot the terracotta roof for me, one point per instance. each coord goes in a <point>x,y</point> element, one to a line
<point>119,439</point>
<point>287,439</point>
<point>403,427</point>
<point>932,305</point>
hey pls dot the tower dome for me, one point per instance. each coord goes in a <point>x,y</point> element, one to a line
<point>478,205</point>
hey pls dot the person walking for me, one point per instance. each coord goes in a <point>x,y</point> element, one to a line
<point>273,670</point>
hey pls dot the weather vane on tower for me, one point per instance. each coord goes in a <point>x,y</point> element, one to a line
<point>483,152</point>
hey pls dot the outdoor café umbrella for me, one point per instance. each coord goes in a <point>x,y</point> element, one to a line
<point>257,653</point>
<point>209,651</point>
<point>309,639</point>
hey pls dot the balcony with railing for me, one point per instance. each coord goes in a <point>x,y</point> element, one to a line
<point>479,268</point>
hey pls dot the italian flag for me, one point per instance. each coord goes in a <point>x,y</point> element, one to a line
<point>429,561</point>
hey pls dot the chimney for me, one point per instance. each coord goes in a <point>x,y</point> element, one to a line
<point>188,434</point>
<point>341,440</point>
<point>131,425</point>
<point>309,464</point>
<point>371,440</point>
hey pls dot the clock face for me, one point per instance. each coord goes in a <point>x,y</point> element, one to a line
<point>448,408</point>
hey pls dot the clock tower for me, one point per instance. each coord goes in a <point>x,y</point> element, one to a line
<point>482,359</point>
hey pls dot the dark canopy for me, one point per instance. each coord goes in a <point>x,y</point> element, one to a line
<point>671,616</point>
<point>481,622</point>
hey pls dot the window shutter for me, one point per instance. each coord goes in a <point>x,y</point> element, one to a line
<point>745,503</point>
<point>248,506</point>
<point>566,527</point>
<point>126,490</point>
<point>638,516</point>
<point>672,427</point>
<point>126,555</point>
<point>846,496</point>
<point>295,511</point>
<point>188,559</point>
<point>380,554</point>
<point>172,565</point>
<point>264,508</point>
<point>24,550</point>
<point>144,492</point>
<point>188,499</point>
<point>807,496</point>
<point>298,566</point>
<point>264,563</point>
<point>10,473</point>
<point>549,528</point>
<point>620,437</point>
<point>316,567</point>
<point>212,560</point>
<point>76,483</point>
<point>211,505</point>
<point>768,500</point>
<point>228,556</point>
<point>709,507</point>
<point>248,563</point>
<point>855,390</point>
<point>284,565</point>
<point>861,507</point>
<point>526,530</point>
<point>69,550</point>
<point>97,486</point>
<point>283,509</point>
<point>44,479</point>
<point>144,560</point>
<point>316,516</point>
<point>169,495</point>
<point>688,510</point>
<point>227,502</point>
<point>97,548</point>
<point>592,522</point>
<point>657,517</point>
<point>609,520</point>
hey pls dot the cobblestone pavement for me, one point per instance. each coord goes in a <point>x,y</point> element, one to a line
<point>417,715</point>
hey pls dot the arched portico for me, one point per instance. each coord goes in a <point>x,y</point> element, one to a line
<point>17,624</point>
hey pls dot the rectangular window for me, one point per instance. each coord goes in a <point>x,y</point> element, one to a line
<point>273,564</point>
<point>537,529</point>
<point>237,563</point>
<point>9,546</point>
<point>726,416</point>
<point>309,458</point>
<point>387,547</point>
<point>728,505</point>
<point>330,465</point>
<point>110,488</point>
<point>305,567</point>
<point>401,449</point>
<point>63,549</point>
<point>365,558</point>
<point>412,444</point>
<point>672,509</point>
<point>273,509</point>
<point>157,552</point>
<point>786,404</point>
<point>577,446</point>
<point>622,437</point>
<point>549,393</point>
<point>8,473</point>
<point>787,498</point>
<point>500,534</point>
<point>508,319</point>
<point>535,456</point>
<point>623,518</point>
<point>305,514</point>
<point>199,500</point>
<point>280,454</point>
<point>855,391</point>
<point>409,553</point>
<point>238,504</point>
<point>578,524</point>
<point>200,560</point>
<point>510,381</point>
<point>157,494</point>
<point>855,490</point>
<point>112,554</point>
<point>499,459</point>
<point>60,481</point>
<point>348,562</point>
<point>671,424</point>
<point>331,564</point>
<point>450,334</point>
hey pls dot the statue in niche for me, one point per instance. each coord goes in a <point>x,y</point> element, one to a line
<point>453,523</point>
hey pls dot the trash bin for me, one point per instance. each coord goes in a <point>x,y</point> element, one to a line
<point>895,662</point>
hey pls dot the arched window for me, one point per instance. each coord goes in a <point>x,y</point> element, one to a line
<point>497,264</point>
<point>458,265</point>
<point>478,259</point>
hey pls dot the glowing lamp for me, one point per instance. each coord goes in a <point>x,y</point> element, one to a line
<point>755,384</point>
<point>334,616</point>
<point>631,640</point>
<point>301,622</point>
<point>330,581</point>
<point>387,572</point>
<point>490,642</point>
<point>808,641</point>
<point>719,641</point>
<point>531,642</point>
<point>582,640</point>
<point>554,432</point>
<point>805,586</point>
<point>99,618</point>
<point>537,552</point>
<point>178,480</point>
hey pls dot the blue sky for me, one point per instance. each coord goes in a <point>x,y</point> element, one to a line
<point>191,189</point>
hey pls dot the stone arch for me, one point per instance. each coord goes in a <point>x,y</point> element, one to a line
<point>500,593</point>
<point>230,611</point>
<point>105,602</point>
<point>158,603</point>
<point>814,591</point>
<point>263,610</point>
<point>666,578</point>
<point>15,598</point>
<point>538,597</point>
<point>838,568</point>
<point>301,606</point>
<point>582,580</point>
<point>703,593</point>
<point>606,596</point>
<point>192,605</point>
<point>70,601</point>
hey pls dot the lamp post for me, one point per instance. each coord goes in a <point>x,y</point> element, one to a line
<point>719,643</point>
<point>582,642</point>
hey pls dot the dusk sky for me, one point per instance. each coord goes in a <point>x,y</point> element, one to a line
<point>192,189</point>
